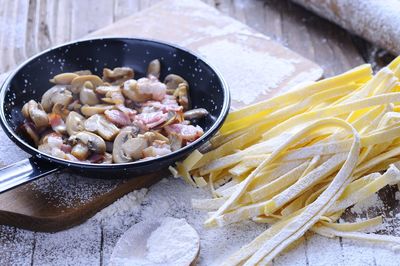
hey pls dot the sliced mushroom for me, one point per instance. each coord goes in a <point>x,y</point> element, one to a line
<point>28,129</point>
<point>64,78</point>
<point>118,75</point>
<point>92,141</point>
<point>60,110</point>
<point>88,110</point>
<point>83,72</point>
<point>158,148</point>
<point>154,135</point>
<point>107,158</point>
<point>78,83</point>
<point>75,123</point>
<point>105,89</point>
<point>131,91</point>
<point>57,94</point>
<point>154,68</point>
<point>25,110</point>
<point>175,142</point>
<point>195,113</point>
<point>100,125</point>
<point>128,146</point>
<point>173,117</point>
<point>172,81</point>
<point>182,95</point>
<point>134,147</point>
<point>87,95</point>
<point>80,151</point>
<point>34,111</point>
<point>114,97</point>
<point>74,106</point>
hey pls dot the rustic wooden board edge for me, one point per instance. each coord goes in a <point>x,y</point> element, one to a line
<point>64,219</point>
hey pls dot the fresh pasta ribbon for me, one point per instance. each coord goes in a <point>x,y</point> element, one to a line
<point>299,160</point>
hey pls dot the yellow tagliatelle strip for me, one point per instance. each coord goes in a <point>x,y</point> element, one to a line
<point>291,110</point>
<point>298,160</point>
<point>349,77</point>
<point>242,187</point>
<point>313,212</point>
<point>351,227</point>
<point>391,241</point>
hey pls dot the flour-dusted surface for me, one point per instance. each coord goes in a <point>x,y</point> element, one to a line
<point>247,69</point>
<point>165,241</point>
<point>248,60</point>
<point>120,211</point>
<point>171,198</point>
<point>173,243</point>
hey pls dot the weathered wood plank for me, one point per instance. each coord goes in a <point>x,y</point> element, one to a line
<point>271,21</point>
<point>32,43</point>
<point>16,246</point>
<point>295,256</point>
<point>58,21</point>
<point>358,253</point>
<point>94,13</point>
<point>123,8</point>
<point>8,34</point>
<point>323,251</point>
<point>80,245</point>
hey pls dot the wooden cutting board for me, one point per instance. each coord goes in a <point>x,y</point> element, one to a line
<point>254,66</point>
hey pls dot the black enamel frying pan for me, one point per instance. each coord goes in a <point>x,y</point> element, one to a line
<point>30,80</point>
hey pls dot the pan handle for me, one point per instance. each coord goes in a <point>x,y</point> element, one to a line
<point>23,172</point>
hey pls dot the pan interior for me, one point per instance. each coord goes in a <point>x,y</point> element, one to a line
<point>31,80</point>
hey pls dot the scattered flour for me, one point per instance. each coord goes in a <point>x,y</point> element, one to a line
<point>116,213</point>
<point>66,190</point>
<point>372,202</point>
<point>167,241</point>
<point>94,241</point>
<point>235,61</point>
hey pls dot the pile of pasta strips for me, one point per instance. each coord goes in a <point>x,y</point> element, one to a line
<point>298,160</point>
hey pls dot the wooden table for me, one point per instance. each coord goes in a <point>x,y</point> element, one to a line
<point>27,27</point>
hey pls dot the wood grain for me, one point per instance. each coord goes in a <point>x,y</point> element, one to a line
<point>26,207</point>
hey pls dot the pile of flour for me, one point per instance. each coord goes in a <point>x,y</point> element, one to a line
<point>172,198</point>
<point>168,242</point>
